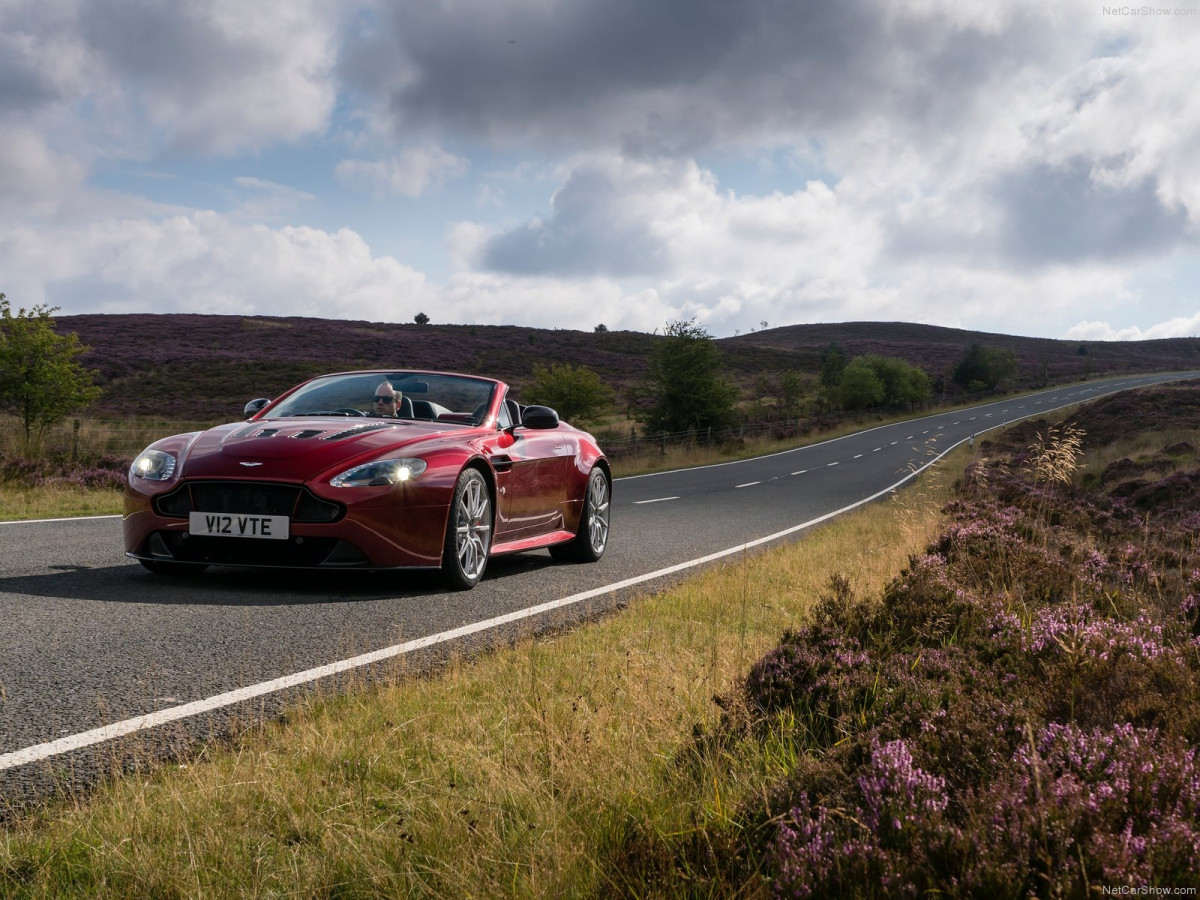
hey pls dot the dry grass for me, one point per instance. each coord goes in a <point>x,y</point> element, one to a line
<point>17,502</point>
<point>1142,447</point>
<point>526,772</point>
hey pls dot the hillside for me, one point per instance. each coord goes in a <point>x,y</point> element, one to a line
<point>201,367</point>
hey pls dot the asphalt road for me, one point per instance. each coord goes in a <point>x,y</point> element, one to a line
<point>104,666</point>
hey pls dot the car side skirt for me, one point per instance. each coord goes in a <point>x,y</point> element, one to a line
<point>532,543</point>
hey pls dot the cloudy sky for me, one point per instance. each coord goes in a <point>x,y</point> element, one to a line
<point>1029,167</point>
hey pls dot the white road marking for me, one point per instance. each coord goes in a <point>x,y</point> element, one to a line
<point>104,733</point>
<point>655,500</point>
<point>747,484</point>
<point>858,456</point>
<point>801,472</point>
<point>830,464</point>
<point>64,519</point>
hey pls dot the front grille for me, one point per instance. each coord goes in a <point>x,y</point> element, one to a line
<point>300,553</point>
<point>248,498</point>
<point>256,499</point>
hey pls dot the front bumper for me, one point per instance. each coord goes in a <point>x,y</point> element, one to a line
<point>397,526</point>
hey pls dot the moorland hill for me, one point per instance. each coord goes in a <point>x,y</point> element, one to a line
<point>192,366</point>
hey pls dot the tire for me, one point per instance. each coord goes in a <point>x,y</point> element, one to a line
<point>163,567</point>
<point>591,538</point>
<point>468,532</point>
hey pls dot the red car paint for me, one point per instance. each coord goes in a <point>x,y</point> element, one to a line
<point>537,479</point>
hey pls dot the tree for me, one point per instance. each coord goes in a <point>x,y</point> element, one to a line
<point>601,329</point>
<point>684,386</point>
<point>576,393</point>
<point>985,368</point>
<point>833,364</point>
<point>41,381</point>
<point>904,386</point>
<point>421,319</point>
<point>860,387</point>
<point>873,380</point>
<point>791,393</point>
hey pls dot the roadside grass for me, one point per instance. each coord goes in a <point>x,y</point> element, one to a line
<point>18,502</point>
<point>534,771</point>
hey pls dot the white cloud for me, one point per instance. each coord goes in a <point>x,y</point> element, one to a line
<point>213,263</point>
<point>1017,166</point>
<point>34,179</point>
<point>118,79</point>
<point>1181,326</point>
<point>416,171</point>
<point>490,299</point>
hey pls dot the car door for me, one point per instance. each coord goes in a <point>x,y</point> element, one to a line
<point>530,484</point>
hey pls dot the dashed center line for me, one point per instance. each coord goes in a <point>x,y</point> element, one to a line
<point>801,472</point>
<point>831,464</point>
<point>748,484</point>
<point>858,456</point>
<point>655,500</point>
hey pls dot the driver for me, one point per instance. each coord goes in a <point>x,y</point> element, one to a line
<point>387,400</point>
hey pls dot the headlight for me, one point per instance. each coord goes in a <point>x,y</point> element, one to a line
<point>155,465</point>
<point>380,472</point>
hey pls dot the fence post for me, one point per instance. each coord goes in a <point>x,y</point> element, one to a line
<point>75,440</point>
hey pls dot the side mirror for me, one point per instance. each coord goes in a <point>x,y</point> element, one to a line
<point>539,417</point>
<point>254,407</point>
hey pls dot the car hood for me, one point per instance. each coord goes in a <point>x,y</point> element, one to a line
<point>296,449</point>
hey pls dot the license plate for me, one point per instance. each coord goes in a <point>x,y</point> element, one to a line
<point>271,528</point>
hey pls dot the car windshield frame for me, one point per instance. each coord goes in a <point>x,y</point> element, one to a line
<point>449,399</point>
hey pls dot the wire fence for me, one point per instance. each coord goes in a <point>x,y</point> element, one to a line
<point>619,445</point>
<point>84,439</point>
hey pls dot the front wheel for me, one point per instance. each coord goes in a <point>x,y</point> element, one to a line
<point>592,535</point>
<point>468,532</point>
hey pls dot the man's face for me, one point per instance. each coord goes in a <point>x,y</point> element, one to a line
<point>385,404</point>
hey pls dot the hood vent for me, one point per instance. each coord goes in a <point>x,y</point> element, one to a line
<point>268,432</point>
<point>307,433</point>
<point>359,429</point>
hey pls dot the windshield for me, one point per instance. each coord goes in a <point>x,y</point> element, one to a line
<point>419,395</point>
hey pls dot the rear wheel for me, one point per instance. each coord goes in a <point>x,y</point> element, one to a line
<point>592,535</point>
<point>468,532</point>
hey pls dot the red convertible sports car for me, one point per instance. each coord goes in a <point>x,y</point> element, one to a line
<point>377,469</point>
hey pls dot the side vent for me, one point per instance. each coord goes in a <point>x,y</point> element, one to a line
<point>307,433</point>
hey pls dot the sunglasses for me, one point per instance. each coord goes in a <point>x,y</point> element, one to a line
<point>385,399</point>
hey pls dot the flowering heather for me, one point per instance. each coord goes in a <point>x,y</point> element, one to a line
<point>102,472</point>
<point>1019,714</point>
<point>827,850</point>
